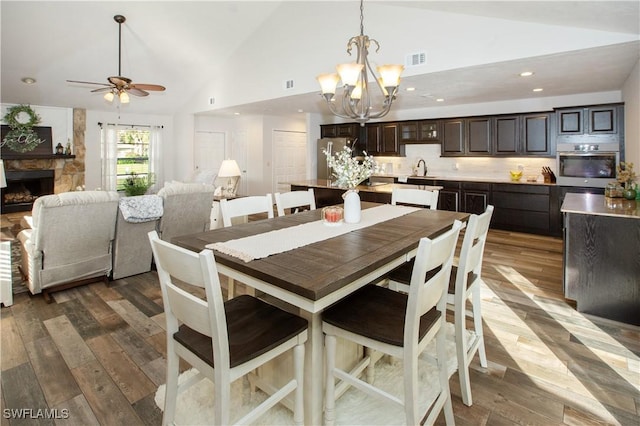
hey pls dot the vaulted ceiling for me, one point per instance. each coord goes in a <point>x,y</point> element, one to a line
<point>186,45</point>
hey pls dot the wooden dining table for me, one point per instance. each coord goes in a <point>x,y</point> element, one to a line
<point>315,276</point>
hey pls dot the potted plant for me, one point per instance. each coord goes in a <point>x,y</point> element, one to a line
<point>135,184</point>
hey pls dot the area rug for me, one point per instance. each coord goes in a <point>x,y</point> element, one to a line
<point>353,408</point>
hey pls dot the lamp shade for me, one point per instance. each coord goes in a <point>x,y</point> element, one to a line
<point>3,178</point>
<point>229,168</point>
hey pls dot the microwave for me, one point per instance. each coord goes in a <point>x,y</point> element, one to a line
<point>587,165</point>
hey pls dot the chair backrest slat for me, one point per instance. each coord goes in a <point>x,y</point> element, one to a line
<point>245,206</point>
<point>295,199</point>
<point>425,294</point>
<point>416,197</point>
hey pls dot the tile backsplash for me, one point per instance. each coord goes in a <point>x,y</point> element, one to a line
<point>480,167</point>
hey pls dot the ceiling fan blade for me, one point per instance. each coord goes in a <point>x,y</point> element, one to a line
<point>151,87</point>
<point>87,82</point>
<point>102,89</point>
<point>137,92</point>
<point>119,81</point>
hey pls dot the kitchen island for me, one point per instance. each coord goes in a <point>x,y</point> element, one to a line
<point>602,256</point>
<point>327,194</point>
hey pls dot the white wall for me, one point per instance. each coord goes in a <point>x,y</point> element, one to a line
<point>59,119</point>
<point>631,98</point>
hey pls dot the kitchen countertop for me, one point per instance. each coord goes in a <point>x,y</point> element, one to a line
<point>403,178</point>
<point>383,188</point>
<point>599,205</point>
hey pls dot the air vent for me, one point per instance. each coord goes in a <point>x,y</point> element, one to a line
<point>288,84</point>
<point>416,59</point>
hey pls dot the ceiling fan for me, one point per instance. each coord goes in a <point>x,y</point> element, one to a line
<point>118,85</point>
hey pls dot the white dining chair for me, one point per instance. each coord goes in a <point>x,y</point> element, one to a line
<point>465,285</point>
<point>415,197</point>
<point>224,341</point>
<point>245,206</point>
<point>295,200</point>
<point>400,325</point>
<point>242,207</point>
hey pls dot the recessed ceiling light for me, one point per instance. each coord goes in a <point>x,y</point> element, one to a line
<point>538,89</point>
<point>411,89</point>
<point>526,74</point>
<point>300,110</point>
<point>440,100</point>
<point>236,113</point>
<point>28,80</point>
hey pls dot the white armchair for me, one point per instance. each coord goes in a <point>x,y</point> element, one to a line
<point>187,209</point>
<point>70,241</point>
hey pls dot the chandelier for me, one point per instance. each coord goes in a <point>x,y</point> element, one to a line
<point>357,94</point>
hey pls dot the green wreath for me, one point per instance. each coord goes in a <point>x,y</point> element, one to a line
<point>21,137</point>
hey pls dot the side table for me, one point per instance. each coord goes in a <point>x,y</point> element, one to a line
<point>6,281</point>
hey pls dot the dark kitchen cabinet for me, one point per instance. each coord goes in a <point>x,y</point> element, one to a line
<point>382,139</point>
<point>536,134</point>
<point>507,135</point>
<point>449,196</point>
<point>478,135</point>
<point>424,131</point>
<point>475,197</point>
<point>596,123</point>
<point>521,208</point>
<point>346,130</point>
<point>389,142</point>
<point>453,137</point>
<point>372,138</point>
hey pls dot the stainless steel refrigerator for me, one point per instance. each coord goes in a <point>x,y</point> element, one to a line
<point>332,145</point>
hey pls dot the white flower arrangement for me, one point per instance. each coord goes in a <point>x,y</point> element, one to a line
<point>347,170</point>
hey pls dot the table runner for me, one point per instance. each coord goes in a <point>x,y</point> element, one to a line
<point>282,240</point>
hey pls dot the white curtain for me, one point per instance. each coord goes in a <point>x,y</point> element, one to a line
<point>155,158</point>
<point>109,144</point>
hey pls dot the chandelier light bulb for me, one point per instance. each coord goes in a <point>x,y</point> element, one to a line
<point>328,83</point>
<point>108,96</point>
<point>390,74</point>
<point>356,93</point>
<point>349,73</point>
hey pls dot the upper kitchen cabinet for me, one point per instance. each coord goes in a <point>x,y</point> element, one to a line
<point>421,132</point>
<point>597,122</point>
<point>346,130</point>
<point>453,137</point>
<point>507,135</point>
<point>382,139</point>
<point>467,136</point>
<point>536,134</point>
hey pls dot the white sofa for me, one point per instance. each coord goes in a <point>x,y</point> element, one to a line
<point>70,242</point>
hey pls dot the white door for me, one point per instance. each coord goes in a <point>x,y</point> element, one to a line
<point>209,151</point>
<point>239,153</point>
<point>289,159</point>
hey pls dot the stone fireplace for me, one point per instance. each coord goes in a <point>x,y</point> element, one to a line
<point>30,176</point>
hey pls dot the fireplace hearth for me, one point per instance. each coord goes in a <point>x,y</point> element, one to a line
<point>24,187</point>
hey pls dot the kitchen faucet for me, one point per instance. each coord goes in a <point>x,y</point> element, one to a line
<point>424,168</point>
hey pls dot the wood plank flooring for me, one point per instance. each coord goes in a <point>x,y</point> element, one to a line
<point>97,351</point>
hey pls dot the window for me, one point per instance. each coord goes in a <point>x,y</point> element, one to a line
<point>133,154</point>
<point>130,148</point>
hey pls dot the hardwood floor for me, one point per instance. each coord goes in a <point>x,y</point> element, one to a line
<point>97,351</point>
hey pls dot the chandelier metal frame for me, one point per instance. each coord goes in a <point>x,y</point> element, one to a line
<point>356,97</point>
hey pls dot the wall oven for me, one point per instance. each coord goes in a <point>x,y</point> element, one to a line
<point>587,164</point>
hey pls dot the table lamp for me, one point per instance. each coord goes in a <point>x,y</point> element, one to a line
<point>229,169</point>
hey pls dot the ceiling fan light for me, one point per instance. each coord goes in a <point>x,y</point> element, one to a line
<point>124,97</point>
<point>108,96</point>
